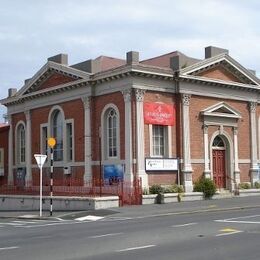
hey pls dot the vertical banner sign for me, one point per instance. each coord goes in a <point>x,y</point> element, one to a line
<point>51,143</point>
<point>159,114</point>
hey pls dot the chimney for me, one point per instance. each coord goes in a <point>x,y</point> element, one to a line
<point>132,57</point>
<point>91,66</point>
<point>60,58</point>
<point>212,51</point>
<point>12,92</point>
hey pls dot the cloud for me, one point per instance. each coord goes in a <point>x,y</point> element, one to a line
<point>31,31</point>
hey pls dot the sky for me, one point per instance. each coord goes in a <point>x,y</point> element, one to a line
<point>31,31</point>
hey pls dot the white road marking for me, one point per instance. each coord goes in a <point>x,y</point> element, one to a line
<point>228,234</point>
<point>238,220</point>
<point>89,217</point>
<point>9,248</point>
<point>24,222</point>
<point>185,225</point>
<point>54,224</point>
<point>106,235</point>
<point>135,248</point>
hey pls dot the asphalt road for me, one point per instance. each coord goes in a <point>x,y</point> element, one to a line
<point>231,234</point>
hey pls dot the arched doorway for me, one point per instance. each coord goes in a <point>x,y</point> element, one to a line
<point>219,162</point>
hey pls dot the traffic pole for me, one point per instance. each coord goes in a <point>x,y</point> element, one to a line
<point>51,143</point>
<point>51,184</point>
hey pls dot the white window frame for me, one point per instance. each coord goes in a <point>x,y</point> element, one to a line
<point>104,131</point>
<point>43,144</point>
<point>167,142</point>
<point>71,122</point>
<point>18,143</point>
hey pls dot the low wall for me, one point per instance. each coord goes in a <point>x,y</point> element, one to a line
<point>24,203</point>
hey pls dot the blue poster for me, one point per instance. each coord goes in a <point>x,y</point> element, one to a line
<point>113,173</point>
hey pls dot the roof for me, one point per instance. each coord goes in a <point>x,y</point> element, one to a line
<point>107,63</point>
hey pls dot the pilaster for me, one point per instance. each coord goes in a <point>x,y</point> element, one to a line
<point>236,165</point>
<point>87,140</point>
<point>139,95</point>
<point>207,172</point>
<point>28,149</point>
<point>10,152</point>
<point>187,169</point>
<point>127,94</point>
<point>254,165</point>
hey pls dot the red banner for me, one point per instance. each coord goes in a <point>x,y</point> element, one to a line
<point>159,114</point>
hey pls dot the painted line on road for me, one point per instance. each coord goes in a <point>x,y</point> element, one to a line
<point>228,234</point>
<point>185,225</point>
<point>238,221</point>
<point>9,248</point>
<point>89,217</point>
<point>24,222</point>
<point>56,224</point>
<point>106,235</point>
<point>135,248</point>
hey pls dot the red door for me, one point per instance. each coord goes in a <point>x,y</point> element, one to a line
<point>219,169</point>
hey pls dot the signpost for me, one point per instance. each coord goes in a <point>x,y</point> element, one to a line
<point>40,159</point>
<point>51,143</point>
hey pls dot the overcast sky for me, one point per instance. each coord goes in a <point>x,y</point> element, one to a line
<point>33,30</point>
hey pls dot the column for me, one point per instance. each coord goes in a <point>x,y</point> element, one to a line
<point>236,166</point>
<point>10,152</point>
<point>207,172</point>
<point>139,94</point>
<point>128,136</point>
<point>28,149</point>
<point>254,165</point>
<point>87,140</point>
<point>187,170</point>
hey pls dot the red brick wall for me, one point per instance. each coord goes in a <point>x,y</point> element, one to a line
<point>219,73</point>
<point>55,80</point>
<point>98,104</point>
<point>197,104</point>
<point>4,144</point>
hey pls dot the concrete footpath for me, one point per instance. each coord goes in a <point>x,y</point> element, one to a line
<point>191,207</point>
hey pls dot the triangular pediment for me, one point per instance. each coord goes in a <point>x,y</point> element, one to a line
<point>221,110</point>
<point>50,75</point>
<point>221,68</point>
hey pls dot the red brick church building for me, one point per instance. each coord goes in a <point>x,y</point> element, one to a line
<point>132,118</point>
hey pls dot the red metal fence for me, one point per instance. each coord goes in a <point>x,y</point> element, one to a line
<point>129,193</point>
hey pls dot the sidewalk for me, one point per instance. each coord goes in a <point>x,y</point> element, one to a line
<point>190,207</point>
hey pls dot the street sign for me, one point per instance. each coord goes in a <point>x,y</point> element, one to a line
<point>51,142</point>
<point>40,159</point>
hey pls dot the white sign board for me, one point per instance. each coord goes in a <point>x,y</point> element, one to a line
<point>40,159</point>
<point>157,164</point>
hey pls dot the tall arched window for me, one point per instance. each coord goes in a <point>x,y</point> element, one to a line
<point>20,144</point>
<point>112,122</point>
<point>57,132</point>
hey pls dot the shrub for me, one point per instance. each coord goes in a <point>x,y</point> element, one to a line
<point>156,189</point>
<point>257,185</point>
<point>207,186</point>
<point>244,186</point>
<point>174,188</point>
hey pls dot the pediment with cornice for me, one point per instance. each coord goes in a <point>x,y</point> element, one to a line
<point>221,68</point>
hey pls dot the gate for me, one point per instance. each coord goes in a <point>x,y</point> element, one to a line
<point>130,193</point>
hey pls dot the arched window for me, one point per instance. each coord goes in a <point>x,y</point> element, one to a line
<point>112,125</point>
<point>57,133</point>
<point>20,144</point>
<point>218,142</point>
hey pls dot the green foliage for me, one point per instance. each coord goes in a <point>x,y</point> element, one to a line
<point>244,186</point>
<point>174,188</point>
<point>145,191</point>
<point>257,185</point>
<point>207,186</point>
<point>156,189</point>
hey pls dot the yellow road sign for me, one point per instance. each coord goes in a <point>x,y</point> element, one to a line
<point>51,142</point>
